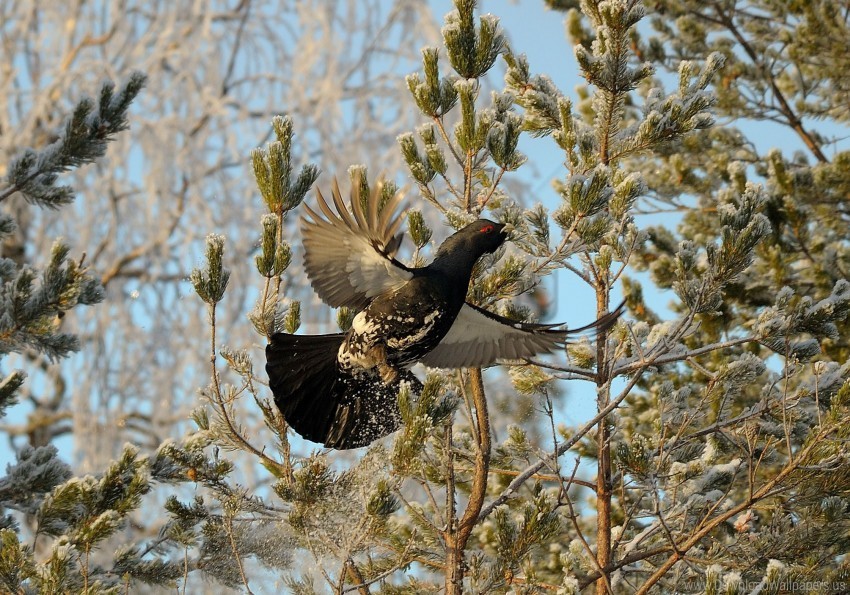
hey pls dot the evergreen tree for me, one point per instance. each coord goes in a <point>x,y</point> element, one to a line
<point>766,431</point>
<point>707,453</point>
<point>664,482</point>
<point>717,456</point>
<point>145,209</point>
<point>75,513</point>
<point>56,528</point>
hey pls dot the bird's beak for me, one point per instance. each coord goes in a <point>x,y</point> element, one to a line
<point>507,228</point>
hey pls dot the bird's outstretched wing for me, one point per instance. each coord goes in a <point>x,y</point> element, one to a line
<point>349,254</point>
<point>480,338</point>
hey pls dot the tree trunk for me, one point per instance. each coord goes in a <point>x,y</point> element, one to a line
<point>603,444</point>
<point>457,535</point>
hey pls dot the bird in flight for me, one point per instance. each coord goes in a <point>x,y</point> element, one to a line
<point>341,389</point>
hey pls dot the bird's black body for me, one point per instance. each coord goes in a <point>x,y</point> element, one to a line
<point>336,389</point>
<point>409,322</point>
<point>341,389</point>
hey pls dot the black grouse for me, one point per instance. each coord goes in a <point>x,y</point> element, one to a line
<point>341,389</point>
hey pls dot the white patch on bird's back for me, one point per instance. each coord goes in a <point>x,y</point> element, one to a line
<point>427,324</point>
<point>344,356</point>
<point>357,354</point>
<point>363,325</point>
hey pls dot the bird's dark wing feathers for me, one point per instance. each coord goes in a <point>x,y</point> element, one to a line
<point>480,338</point>
<point>349,254</point>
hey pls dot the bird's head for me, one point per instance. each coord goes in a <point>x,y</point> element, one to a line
<point>458,254</point>
<point>476,239</point>
<point>486,235</point>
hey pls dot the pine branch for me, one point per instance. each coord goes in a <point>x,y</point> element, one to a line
<point>84,139</point>
<point>678,355</point>
<point>793,119</point>
<point>702,531</point>
<point>531,470</point>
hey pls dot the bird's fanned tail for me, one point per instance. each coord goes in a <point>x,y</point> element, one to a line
<point>324,403</point>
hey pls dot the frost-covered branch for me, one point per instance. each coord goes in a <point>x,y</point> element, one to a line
<point>84,139</point>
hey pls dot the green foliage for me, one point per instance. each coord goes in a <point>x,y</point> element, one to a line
<point>88,510</point>
<point>433,408</point>
<point>292,319</point>
<point>383,502</point>
<point>79,513</point>
<point>16,565</point>
<point>74,520</point>
<point>756,256</point>
<point>273,170</point>
<point>37,472</point>
<point>530,380</point>
<point>503,135</point>
<point>8,389</point>
<point>31,309</point>
<point>211,281</point>
<point>515,537</point>
<point>83,140</point>
<point>275,258</point>
<point>420,167</point>
<point>420,233</point>
<point>84,514</point>
<point>542,101</point>
<point>434,96</point>
<point>743,227</point>
<point>472,52</point>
